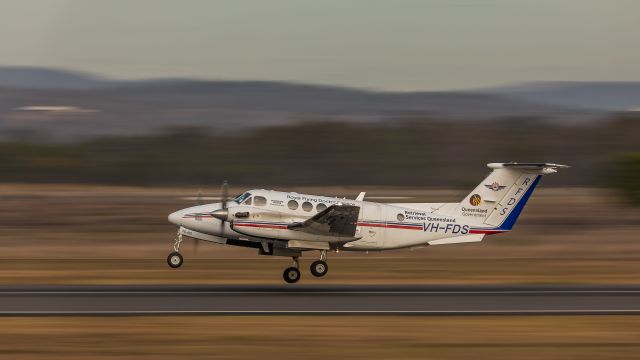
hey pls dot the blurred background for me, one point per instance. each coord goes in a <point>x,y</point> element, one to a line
<point>115,113</point>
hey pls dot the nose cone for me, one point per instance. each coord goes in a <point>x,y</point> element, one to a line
<point>176,218</point>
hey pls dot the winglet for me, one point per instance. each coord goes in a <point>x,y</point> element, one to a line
<point>361,196</point>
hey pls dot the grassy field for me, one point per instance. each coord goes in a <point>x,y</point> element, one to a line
<point>344,337</point>
<point>92,234</point>
<point>88,234</point>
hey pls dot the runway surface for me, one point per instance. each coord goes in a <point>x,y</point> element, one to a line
<point>316,300</point>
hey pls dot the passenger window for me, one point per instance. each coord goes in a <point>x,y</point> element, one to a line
<point>260,201</point>
<point>321,207</point>
<point>292,204</point>
<point>248,201</point>
<point>306,206</point>
<point>400,217</point>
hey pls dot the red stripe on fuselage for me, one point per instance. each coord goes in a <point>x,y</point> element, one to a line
<point>391,226</point>
<point>262,226</point>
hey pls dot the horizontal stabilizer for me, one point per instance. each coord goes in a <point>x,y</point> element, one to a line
<point>543,167</point>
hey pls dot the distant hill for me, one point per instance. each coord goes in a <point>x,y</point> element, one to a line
<point>68,106</point>
<point>607,96</point>
<point>39,78</point>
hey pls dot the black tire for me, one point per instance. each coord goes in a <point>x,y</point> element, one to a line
<point>175,260</point>
<point>319,268</point>
<point>291,275</point>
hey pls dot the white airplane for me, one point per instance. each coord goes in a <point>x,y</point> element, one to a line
<point>287,223</point>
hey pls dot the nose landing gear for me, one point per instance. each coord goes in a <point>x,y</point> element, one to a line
<point>174,259</point>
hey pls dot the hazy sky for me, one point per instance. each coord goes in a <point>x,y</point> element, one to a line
<point>399,44</point>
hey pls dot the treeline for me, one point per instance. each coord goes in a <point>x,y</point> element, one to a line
<point>422,153</point>
<point>625,176</point>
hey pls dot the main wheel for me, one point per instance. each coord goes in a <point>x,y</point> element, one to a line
<point>175,260</point>
<point>291,275</point>
<point>319,268</point>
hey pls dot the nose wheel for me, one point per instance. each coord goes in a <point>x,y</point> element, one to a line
<point>175,260</point>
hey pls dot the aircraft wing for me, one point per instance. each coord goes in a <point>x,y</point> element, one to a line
<point>336,220</point>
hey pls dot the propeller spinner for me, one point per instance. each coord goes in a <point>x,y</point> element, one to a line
<point>223,214</point>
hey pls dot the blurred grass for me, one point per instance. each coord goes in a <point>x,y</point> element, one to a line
<point>81,234</point>
<point>341,337</point>
<point>354,270</point>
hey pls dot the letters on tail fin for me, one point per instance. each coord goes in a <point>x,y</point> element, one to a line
<point>495,204</point>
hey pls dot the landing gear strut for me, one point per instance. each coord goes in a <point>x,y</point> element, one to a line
<point>292,274</point>
<point>174,259</point>
<point>320,268</point>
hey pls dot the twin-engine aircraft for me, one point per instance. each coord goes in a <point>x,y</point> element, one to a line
<point>287,224</point>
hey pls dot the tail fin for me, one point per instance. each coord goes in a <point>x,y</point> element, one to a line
<point>495,204</point>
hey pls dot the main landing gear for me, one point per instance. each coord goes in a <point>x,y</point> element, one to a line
<point>318,268</point>
<point>292,274</point>
<point>174,259</point>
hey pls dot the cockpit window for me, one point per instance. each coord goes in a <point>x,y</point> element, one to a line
<point>248,201</point>
<point>260,200</point>
<point>242,197</point>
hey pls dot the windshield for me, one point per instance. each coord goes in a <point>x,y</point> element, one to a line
<point>242,197</point>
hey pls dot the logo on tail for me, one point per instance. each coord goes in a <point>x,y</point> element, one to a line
<point>475,200</point>
<point>495,186</point>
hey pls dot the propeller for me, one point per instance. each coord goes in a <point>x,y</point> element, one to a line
<point>222,214</point>
<point>199,201</point>
<point>225,194</point>
<point>219,214</point>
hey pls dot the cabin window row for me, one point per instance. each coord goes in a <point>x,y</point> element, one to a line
<point>306,206</point>
<point>292,204</point>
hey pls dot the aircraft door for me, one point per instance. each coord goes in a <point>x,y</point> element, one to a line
<point>373,215</point>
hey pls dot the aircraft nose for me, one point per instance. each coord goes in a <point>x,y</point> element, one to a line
<point>176,218</point>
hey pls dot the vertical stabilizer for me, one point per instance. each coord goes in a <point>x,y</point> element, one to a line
<point>499,199</point>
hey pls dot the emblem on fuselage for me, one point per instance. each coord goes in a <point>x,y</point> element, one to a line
<point>475,200</point>
<point>495,186</point>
